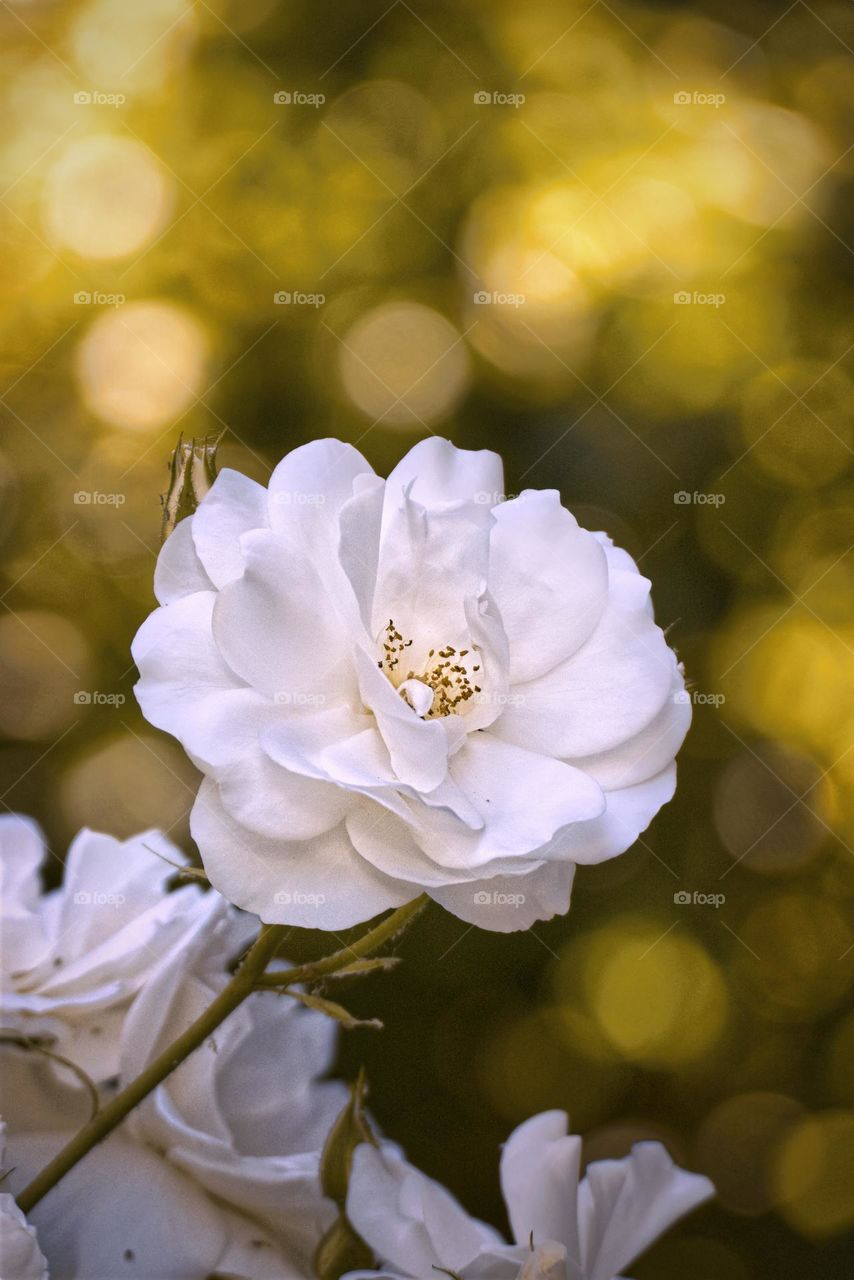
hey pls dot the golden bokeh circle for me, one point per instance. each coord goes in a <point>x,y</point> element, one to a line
<point>142,364</point>
<point>814,1175</point>
<point>106,197</point>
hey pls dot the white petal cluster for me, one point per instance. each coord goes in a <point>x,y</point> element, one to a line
<point>407,685</point>
<point>72,959</point>
<point>217,1173</point>
<point>247,1114</point>
<point>565,1227</point>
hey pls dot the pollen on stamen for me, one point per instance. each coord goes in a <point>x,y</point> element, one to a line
<point>448,680</point>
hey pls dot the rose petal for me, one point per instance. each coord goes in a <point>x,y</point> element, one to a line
<point>607,692</point>
<point>410,1221</point>
<point>232,506</point>
<point>508,903</point>
<point>316,883</point>
<point>183,678</point>
<point>549,578</point>
<point>308,489</point>
<point>439,473</point>
<point>540,1168</point>
<point>628,812</point>
<point>522,798</point>
<point>179,571</point>
<point>359,543</point>
<point>626,1204</point>
<point>648,752</point>
<point>418,749</point>
<point>276,626</point>
<point>430,561</point>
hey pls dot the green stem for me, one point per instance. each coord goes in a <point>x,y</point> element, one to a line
<point>242,984</point>
<point>364,946</point>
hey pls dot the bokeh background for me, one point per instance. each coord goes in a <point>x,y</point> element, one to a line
<point>610,240</point>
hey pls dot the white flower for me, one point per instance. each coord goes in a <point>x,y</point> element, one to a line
<point>247,1114</point>
<point>71,960</point>
<point>125,1210</point>
<point>565,1227</point>
<point>20,1255</point>
<point>407,685</point>
<point>217,1171</point>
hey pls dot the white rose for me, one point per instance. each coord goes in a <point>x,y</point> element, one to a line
<point>125,1210</point>
<point>71,960</point>
<point>565,1227</point>
<point>409,685</point>
<point>246,1115</point>
<point>217,1171</point>
<point>20,1255</point>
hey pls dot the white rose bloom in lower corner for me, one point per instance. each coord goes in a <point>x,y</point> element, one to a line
<point>217,1171</point>
<point>565,1227</point>
<point>125,1210</point>
<point>72,959</point>
<point>407,685</point>
<point>247,1114</point>
<point>20,1255</point>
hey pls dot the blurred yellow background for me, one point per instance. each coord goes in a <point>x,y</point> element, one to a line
<point>611,241</point>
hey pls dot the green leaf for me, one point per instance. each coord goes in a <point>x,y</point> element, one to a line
<point>341,1249</point>
<point>334,1010</point>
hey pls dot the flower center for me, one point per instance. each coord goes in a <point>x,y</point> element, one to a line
<point>444,685</point>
